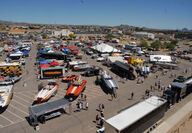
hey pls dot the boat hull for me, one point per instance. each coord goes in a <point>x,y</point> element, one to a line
<point>7,96</point>
<point>44,95</point>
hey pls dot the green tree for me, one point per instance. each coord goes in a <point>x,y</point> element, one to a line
<point>2,28</point>
<point>164,45</point>
<point>44,36</point>
<point>171,46</point>
<point>110,36</point>
<point>156,45</point>
<point>174,42</point>
<point>143,43</point>
<point>71,35</point>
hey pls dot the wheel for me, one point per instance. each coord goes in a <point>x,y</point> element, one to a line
<point>70,99</point>
<point>42,119</point>
<point>84,89</point>
<point>97,81</point>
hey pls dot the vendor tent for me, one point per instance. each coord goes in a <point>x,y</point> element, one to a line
<point>105,48</point>
<point>44,65</point>
<point>54,63</point>
<point>41,50</point>
<point>43,61</point>
<point>72,47</point>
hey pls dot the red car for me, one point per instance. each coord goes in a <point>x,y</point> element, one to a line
<point>75,89</point>
<point>70,78</point>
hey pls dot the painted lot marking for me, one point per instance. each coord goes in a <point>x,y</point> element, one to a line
<point>7,119</point>
<point>22,99</point>
<point>10,124</point>
<point>30,92</point>
<point>19,103</point>
<point>26,96</point>
<point>15,115</point>
<point>19,109</point>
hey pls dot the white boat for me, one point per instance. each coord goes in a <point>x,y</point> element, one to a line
<point>10,81</point>
<point>6,94</point>
<point>46,92</point>
<point>109,81</point>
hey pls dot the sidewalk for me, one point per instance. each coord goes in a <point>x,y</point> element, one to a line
<point>178,122</point>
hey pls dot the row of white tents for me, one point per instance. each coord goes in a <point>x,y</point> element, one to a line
<point>105,48</point>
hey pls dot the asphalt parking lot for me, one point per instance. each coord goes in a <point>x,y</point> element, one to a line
<point>13,119</point>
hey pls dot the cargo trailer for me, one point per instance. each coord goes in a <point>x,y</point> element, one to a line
<point>137,118</point>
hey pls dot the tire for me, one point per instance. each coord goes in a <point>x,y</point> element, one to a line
<point>70,99</point>
<point>42,119</point>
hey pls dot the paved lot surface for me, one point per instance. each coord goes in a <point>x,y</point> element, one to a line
<point>13,119</point>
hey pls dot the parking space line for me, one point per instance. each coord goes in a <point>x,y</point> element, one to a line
<point>14,114</point>
<point>95,93</point>
<point>7,119</point>
<point>30,92</point>
<point>62,91</point>
<point>22,99</point>
<point>19,109</point>
<point>60,94</point>
<point>11,124</point>
<point>20,103</point>
<point>26,96</point>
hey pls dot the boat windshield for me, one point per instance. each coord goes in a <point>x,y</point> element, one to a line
<point>110,78</point>
<point>77,83</point>
<point>51,83</point>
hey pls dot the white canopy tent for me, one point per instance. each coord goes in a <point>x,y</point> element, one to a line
<point>105,48</point>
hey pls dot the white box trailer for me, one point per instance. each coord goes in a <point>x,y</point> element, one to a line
<point>160,58</point>
<point>137,118</point>
<point>111,59</point>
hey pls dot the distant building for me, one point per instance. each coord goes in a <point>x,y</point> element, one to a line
<point>17,31</point>
<point>63,32</point>
<point>144,35</point>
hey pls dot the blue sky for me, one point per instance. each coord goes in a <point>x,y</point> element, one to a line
<point>164,14</point>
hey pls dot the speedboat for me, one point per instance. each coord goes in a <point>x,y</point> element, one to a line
<point>69,78</point>
<point>6,94</point>
<point>46,92</point>
<point>76,88</point>
<point>82,67</point>
<point>109,81</point>
<point>9,81</point>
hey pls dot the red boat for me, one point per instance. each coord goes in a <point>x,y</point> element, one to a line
<point>76,88</point>
<point>70,78</point>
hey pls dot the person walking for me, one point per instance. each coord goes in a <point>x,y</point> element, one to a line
<point>80,106</point>
<point>102,114</point>
<point>85,97</point>
<point>86,105</point>
<point>81,96</point>
<point>101,121</point>
<point>112,96</point>
<point>163,87</point>
<point>142,80</point>
<point>132,94</point>
<point>159,86</point>
<point>151,88</point>
<point>103,107</point>
<point>97,119</point>
<point>100,107</point>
